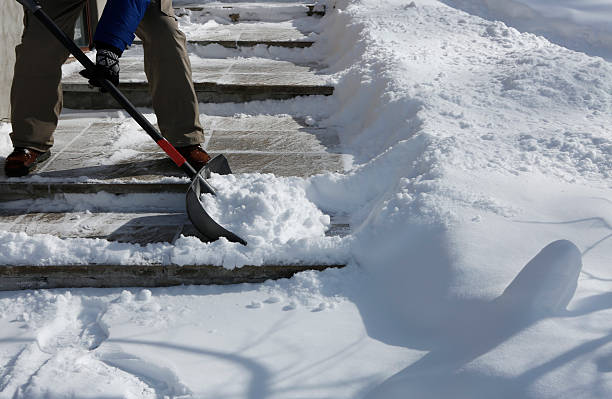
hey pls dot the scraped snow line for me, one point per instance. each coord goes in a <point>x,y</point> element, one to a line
<point>55,155</point>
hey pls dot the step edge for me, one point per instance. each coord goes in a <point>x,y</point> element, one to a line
<point>106,276</point>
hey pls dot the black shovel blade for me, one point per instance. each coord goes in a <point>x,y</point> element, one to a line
<point>218,165</point>
<point>198,215</point>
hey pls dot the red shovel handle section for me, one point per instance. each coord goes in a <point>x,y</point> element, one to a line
<point>176,156</point>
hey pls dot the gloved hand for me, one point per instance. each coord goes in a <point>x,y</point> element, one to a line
<point>107,67</point>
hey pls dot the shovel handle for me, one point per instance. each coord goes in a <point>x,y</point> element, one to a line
<point>31,5</point>
<point>34,7</point>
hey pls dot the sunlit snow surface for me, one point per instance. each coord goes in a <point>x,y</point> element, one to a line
<point>582,25</point>
<point>480,205</point>
<point>263,208</point>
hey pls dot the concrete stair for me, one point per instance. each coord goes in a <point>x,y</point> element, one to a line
<point>215,81</point>
<point>248,34</point>
<point>86,159</point>
<point>241,12</point>
<point>223,80</point>
<point>133,227</point>
<point>94,154</point>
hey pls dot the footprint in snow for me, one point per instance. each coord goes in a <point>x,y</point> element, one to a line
<point>76,324</point>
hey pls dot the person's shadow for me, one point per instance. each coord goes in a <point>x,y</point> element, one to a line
<point>542,289</point>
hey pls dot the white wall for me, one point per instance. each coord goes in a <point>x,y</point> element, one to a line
<point>11,26</point>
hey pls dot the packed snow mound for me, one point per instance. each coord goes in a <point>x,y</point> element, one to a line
<point>263,208</point>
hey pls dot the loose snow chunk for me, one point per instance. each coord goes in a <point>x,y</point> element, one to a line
<point>264,208</point>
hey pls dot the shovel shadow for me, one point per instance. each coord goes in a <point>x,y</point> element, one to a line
<point>155,229</point>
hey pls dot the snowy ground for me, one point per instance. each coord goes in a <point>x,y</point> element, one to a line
<point>582,25</point>
<point>480,260</point>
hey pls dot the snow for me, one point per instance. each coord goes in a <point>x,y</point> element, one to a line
<point>175,342</point>
<point>479,259</point>
<point>265,209</point>
<point>582,25</point>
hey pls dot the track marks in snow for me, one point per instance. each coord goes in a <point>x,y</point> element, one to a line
<point>69,342</point>
<point>161,380</point>
<point>76,325</point>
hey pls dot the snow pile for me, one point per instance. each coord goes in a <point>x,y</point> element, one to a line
<point>264,209</point>
<point>478,147</point>
<point>41,249</point>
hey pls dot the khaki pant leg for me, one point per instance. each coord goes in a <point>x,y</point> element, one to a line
<point>36,95</point>
<point>168,71</point>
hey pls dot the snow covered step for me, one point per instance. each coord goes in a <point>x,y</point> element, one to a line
<point>107,276</point>
<point>215,80</point>
<point>91,154</point>
<point>248,34</point>
<point>264,11</point>
<point>159,228</point>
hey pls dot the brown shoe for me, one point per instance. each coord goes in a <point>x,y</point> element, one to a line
<point>22,161</point>
<point>195,155</point>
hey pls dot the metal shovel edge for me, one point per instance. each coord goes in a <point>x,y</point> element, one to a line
<point>200,219</point>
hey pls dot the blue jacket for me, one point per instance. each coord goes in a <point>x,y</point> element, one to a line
<point>119,21</point>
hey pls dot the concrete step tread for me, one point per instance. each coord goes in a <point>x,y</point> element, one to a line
<point>215,80</point>
<point>283,34</point>
<point>239,71</point>
<point>128,227</point>
<point>91,154</point>
<point>251,11</point>
<point>249,31</point>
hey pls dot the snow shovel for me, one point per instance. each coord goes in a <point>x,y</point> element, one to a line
<point>195,209</point>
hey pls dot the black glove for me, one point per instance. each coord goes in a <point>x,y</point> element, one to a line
<point>107,67</point>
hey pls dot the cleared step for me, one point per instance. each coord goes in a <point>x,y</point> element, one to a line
<point>136,228</point>
<point>128,227</point>
<point>90,155</point>
<point>215,80</point>
<point>247,34</point>
<point>255,11</point>
<point>110,276</point>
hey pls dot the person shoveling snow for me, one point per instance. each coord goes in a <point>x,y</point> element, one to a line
<point>154,22</point>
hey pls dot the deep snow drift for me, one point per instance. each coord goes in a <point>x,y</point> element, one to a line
<point>480,204</point>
